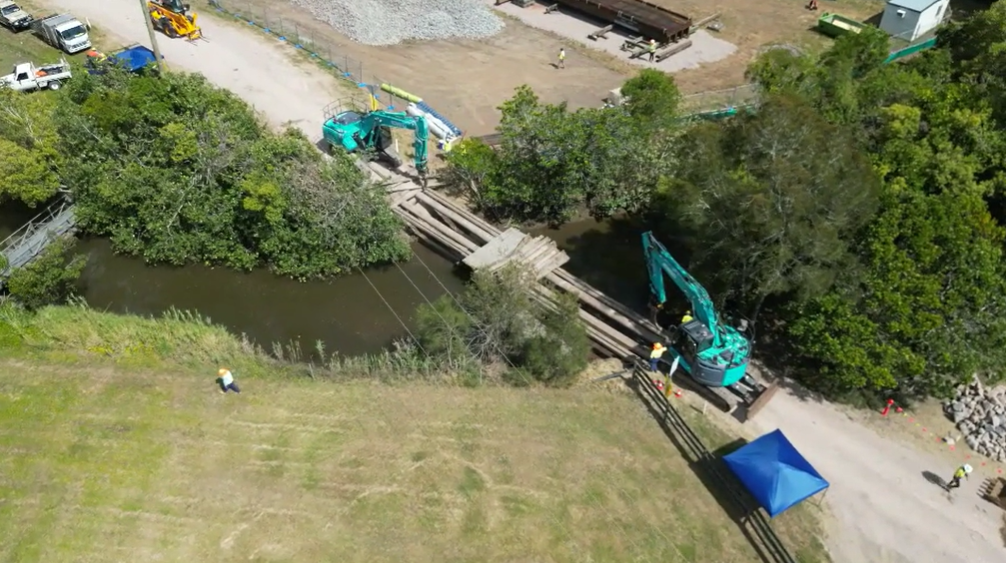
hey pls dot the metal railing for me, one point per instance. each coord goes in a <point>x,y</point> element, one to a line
<point>26,243</point>
<point>718,100</point>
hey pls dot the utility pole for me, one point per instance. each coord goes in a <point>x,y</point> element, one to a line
<point>153,36</point>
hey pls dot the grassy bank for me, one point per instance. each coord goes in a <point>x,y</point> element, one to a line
<point>117,446</point>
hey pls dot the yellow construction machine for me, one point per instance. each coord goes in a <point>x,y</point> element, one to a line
<point>174,19</point>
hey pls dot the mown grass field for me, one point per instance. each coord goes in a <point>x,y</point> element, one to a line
<point>109,454</point>
<point>23,47</point>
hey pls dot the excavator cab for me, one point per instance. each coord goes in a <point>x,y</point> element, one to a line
<point>713,353</point>
<point>355,129</point>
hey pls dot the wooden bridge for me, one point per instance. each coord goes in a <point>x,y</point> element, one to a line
<point>615,330</point>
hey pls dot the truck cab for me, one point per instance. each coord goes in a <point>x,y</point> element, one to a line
<point>63,31</point>
<point>13,16</point>
<point>73,36</point>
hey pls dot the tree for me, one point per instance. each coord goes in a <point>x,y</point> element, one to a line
<point>771,202</point>
<point>50,278</point>
<point>976,51</point>
<point>28,139</point>
<point>496,323</point>
<point>847,84</point>
<point>177,171</point>
<point>929,312</point>
<point>652,99</point>
<point>551,163</point>
<point>561,349</point>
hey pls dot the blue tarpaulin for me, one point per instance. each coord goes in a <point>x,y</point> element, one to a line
<point>135,58</point>
<point>775,473</point>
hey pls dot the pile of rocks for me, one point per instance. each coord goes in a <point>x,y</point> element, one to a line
<point>980,414</point>
<point>388,22</point>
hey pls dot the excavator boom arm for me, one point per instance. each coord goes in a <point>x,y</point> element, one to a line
<point>659,262</point>
<point>402,120</point>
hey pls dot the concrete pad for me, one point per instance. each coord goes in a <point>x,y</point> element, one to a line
<point>705,48</point>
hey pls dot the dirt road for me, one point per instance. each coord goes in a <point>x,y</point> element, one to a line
<point>259,70</point>
<point>886,511</point>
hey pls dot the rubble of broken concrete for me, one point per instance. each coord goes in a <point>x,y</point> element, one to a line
<point>980,415</point>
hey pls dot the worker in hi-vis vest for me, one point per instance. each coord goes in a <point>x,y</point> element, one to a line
<point>653,49</point>
<point>962,471</point>
<point>655,354</point>
<point>226,381</point>
<point>687,317</point>
<point>562,57</point>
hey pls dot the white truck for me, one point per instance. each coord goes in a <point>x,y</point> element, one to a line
<point>27,77</point>
<point>63,31</point>
<point>13,16</point>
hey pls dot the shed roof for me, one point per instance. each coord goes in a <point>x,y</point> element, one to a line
<point>914,5</point>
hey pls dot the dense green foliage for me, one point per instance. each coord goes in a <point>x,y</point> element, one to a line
<point>770,200</point>
<point>50,279</point>
<point>495,323</point>
<point>553,163</point>
<point>857,215</point>
<point>28,139</point>
<point>177,171</point>
<point>925,308</point>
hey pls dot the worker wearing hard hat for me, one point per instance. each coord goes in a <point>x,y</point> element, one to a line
<point>962,471</point>
<point>687,317</point>
<point>226,381</point>
<point>655,354</point>
<point>653,49</point>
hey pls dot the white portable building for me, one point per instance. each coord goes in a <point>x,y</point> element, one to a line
<point>911,19</point>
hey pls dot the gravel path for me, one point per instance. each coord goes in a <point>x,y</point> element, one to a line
<point>388,22</point>
<point>886,511</point>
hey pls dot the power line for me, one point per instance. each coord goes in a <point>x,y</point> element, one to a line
<point>448,325</point>
<point>392,309</point>
<point>462,307</point>
<point>472,317</point>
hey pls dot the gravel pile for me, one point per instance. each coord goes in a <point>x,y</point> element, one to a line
<point>388,22</point>
<point>980,414</point>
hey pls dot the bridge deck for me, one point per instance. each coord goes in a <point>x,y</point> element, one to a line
<point>25,244</point>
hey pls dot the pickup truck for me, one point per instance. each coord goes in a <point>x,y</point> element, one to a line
<point>27,77</point>
<point>14,17</point>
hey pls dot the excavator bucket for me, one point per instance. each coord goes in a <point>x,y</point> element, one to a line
<point>760,401</point>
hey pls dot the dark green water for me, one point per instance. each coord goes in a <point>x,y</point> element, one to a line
<point>350,315</point>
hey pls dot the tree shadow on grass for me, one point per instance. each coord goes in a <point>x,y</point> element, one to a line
<point>708,466</point>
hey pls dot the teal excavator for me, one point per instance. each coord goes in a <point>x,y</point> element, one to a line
<point>371,130</point>
<point>713,354</point>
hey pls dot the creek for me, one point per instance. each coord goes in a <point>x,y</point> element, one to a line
<point>352,314</point>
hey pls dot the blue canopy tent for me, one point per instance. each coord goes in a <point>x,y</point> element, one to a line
<point>775,473</point>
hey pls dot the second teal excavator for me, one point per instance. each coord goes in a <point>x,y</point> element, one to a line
<point>354,130</point>
<point>713,353</point>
